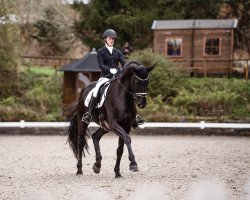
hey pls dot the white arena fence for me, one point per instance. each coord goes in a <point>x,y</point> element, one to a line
<point>201,125</point>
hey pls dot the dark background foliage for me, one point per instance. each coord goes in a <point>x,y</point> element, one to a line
<point>9,53</point>
<point>132,19</point>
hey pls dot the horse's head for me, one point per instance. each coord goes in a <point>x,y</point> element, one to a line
<point>140,80</point>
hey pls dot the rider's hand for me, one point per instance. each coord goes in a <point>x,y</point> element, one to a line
<point>113,71</point>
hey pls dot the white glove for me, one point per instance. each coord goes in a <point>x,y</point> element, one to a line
<point>113,71</point>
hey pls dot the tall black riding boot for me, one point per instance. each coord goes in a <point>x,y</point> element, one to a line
<point>87,116</point>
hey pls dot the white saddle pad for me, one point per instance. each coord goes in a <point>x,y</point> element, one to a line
<point>99,104</point>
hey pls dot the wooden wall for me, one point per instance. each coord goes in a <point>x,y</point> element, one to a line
<point>193,49</point>
<point>72,86</point>
<point>69,87</point>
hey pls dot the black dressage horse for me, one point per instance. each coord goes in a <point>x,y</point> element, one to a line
<point>116,115</point>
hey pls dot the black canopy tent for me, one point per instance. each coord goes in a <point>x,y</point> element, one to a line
<point>86,64</point>
<point>78,74</point>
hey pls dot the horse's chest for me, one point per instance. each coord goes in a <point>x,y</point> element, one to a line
<point>126,114</point>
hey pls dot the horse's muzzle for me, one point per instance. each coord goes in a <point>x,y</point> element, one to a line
<point>141,101</point>
<point>141,106</point>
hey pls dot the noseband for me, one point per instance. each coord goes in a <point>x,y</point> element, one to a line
<point>142,82</point>
<point>136,94</point>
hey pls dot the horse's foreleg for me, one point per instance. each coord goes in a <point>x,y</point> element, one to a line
<point>133,165</point>
<point>127,140</point>
<point>119,153</point>
<point>96,138</point>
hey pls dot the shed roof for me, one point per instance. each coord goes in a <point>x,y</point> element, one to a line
<point>195,24</point>
<point>86,64</point>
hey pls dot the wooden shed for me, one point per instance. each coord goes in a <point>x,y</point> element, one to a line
<point>203,46</point>
<point>79,74</point>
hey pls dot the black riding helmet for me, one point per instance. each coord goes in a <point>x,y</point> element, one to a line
<point>109,33</point>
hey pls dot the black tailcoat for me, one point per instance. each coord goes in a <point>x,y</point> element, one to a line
<point>106,60</point>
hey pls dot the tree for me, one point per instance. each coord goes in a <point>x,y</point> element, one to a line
<point>239,9</point>
<point>132,19</point>
<point>53,32</point>
<point>9,51</point>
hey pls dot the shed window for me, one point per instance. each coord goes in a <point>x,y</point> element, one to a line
<point>212,46</point>
<point>174,47</point>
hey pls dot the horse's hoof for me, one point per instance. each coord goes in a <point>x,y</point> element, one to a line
<point>118,176</point>
<point>133,168</point>
<point>78,172</point>
<point>96,169</point>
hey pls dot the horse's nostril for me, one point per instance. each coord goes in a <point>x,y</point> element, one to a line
<point>140,105</point>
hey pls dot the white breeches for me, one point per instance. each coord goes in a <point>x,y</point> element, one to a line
<point>100,82</point>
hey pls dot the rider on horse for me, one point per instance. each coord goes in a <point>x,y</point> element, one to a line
<point>108,59</point>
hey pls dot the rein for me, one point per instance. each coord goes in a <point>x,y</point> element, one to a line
<point>133,95</point>
<point>136,94</point>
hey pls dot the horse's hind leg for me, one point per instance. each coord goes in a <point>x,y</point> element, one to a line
<point>80,142</point>
<point>119,153</point>
<point>96,138</point>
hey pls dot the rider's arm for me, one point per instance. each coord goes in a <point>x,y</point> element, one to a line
<point>121,58</point>
<point>102,66</point>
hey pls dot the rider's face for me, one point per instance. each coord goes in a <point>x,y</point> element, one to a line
<point>110,41</point>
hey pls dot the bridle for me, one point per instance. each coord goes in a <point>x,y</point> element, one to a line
<point>136,94</point>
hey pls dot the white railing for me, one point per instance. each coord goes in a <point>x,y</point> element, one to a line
<point>201,125</point>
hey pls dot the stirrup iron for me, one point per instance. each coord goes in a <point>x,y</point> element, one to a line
<point>139,120</point>
<point>86,117</point>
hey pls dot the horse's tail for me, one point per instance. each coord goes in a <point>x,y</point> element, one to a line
<point>73,135</point>
<point>72,132</point>
<point>70,110</point>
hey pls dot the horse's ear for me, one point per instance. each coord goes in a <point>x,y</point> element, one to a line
<point>151,67</point>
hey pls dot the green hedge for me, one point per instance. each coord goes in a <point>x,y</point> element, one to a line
<point>39,99</point>
<point>166,77</point>
<point>174,96</point>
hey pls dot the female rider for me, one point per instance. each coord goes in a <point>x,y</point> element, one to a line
<point>108,59</point>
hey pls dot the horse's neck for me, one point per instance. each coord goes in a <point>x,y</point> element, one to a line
<point>125,85</point>
<point>124,91</point>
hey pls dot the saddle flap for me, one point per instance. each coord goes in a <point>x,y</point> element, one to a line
<point>102,91</point>
<point>102,94</point>
<point>100,97</point>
